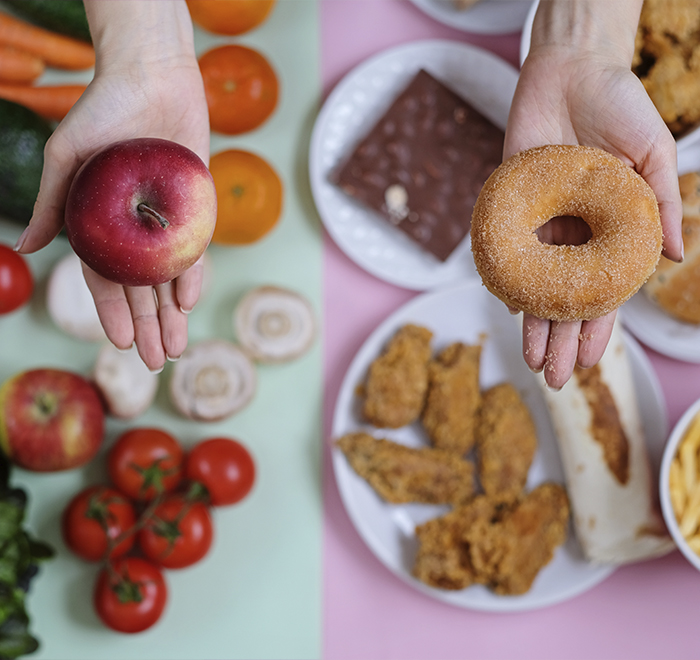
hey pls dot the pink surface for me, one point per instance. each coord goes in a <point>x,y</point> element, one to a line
<point>643,611</point>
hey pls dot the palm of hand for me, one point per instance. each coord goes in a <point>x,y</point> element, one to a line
<point>586,101</point>
<point>117,107</point>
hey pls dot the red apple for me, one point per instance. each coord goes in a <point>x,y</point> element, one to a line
<point>140,212</point>
<point>50,420</point>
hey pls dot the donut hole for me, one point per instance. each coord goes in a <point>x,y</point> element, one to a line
<point>564,230</point>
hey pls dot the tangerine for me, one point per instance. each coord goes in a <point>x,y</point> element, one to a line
<point>241,88</point>
<point>249,195</point>
<point>229,16</point>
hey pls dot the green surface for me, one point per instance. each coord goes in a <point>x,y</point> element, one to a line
<point>257,594</point>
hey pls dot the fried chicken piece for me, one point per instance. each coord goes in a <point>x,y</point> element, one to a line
<point>453,397</point>
<point>443,558</point>
<point>401,474</point>
<point>666,60</point>
<point>674,87</point>
<point>398,379</point>
<point>678,20</point>
<point>513,550</point>
<point>506,441</point>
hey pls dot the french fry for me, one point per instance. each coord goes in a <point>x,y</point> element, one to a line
<point>691,515</point>
<point>676,488</point>
<point>688,456</point>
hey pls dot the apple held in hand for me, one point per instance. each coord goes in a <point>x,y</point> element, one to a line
<point>50,420</point>
<point>140,212</point>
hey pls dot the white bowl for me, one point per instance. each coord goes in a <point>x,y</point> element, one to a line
<point>670,450</point>
<point>688,143</point>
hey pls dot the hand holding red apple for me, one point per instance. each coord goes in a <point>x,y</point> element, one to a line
<point>50,420</point>
<point>142,211</point>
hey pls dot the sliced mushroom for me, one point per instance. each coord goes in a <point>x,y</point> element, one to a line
<point>274,324</point>
<point>128,387</point>
<point>212,380</point>
<point>69,301</point>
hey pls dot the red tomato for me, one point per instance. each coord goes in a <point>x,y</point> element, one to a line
<point>130,594</point>
<point>178,534</point>
<point>94,519</point>
<point>145,462</point>
<point>16,281</point>
<point>224,467</point>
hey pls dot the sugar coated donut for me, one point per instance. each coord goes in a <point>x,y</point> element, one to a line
<point>565,282</point>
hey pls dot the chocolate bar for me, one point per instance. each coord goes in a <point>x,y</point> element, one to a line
<point>422,165</point>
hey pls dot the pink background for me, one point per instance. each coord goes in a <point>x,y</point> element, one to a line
<point>648,610</point>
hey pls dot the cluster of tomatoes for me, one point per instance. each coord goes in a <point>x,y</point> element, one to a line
<point>154,515</point>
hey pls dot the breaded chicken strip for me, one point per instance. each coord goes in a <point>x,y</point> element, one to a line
<point>449,415</point>
<point>512,551</point>
<point>398,379</point>
<point>506,441</point>
<point>443,558</point>
<point>401,474</point>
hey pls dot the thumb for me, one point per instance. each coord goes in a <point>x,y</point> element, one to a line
<point>60,165</point>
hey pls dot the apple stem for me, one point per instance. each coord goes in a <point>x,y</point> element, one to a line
<point>143,208</point>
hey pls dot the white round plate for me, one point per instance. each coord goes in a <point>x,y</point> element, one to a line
<point>651,324</point>
<point>485,17</point>
<point>468,313</point>
<point>660,331</point>
<point>690,141</point>
<point>352,109</point>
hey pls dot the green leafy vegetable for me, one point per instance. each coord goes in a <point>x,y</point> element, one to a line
<point>20,554</point>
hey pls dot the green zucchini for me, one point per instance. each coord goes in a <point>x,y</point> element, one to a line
<point>64,16</point>
<point>23,136</point>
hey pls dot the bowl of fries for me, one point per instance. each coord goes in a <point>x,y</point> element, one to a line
<point>679,487</point>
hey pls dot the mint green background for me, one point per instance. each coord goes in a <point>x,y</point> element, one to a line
<point>258,593</point>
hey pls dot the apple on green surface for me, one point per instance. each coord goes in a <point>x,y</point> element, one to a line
<point>50,420</point>
<point>142,211</point>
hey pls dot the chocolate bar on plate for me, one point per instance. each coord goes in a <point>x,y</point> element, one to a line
<point>422,165</point>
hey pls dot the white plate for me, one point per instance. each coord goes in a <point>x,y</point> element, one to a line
<point>651,324</point>
<point>485,17</point>
<point>467,312</point>
<point>348,114</point>
<point>660,331</point>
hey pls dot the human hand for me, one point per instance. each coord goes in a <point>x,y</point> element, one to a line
<point>154,90</point>
<point>569,93</point>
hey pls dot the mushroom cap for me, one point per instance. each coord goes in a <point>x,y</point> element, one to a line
<point>212,380</point>
<point>127,386</point>
<point>274,324</point>
<point>69,301</point>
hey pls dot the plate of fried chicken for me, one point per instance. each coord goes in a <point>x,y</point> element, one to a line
<point>446,459</point>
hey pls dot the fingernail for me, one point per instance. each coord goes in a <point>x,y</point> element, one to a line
<point>185,311</point>
<point>124,350</point>
<point>20,240</point>
<point>551,388</point>
<point>173,359</point>
<point>536,370</point>
<point>157,371</point>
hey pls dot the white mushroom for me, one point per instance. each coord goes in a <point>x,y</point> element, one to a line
<point>274,324</point>
<point>127,386</point>
<point>212,380</point>
<point>69,301</point>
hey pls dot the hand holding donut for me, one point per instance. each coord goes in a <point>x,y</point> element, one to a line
<point>576,87</point>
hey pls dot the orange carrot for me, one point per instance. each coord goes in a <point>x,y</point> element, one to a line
<point>19,67</point>
<point>49,101</point>
<point>55,49</point>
